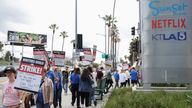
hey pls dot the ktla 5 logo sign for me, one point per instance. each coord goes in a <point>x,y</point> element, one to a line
<point>178,36</point>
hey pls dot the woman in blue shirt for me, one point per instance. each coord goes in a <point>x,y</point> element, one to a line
<point>75,78</point>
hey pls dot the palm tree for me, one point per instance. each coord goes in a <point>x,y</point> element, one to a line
<point>109,20</point>
<point>53,27</point>
<point>64,35</point>
<point>117,40</point>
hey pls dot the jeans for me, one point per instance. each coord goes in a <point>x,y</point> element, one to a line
<point>42,105</point>
<point>65,86</point>
<point>57,97</point>
<point>75,94</point>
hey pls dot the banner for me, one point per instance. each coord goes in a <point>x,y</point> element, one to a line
<point>27,39</point>
<point>29,74</point>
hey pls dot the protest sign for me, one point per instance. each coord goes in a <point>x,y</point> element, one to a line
<point>29,74</point>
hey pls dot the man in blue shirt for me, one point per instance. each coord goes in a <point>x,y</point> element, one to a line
<point>116,77</point>
<point>134,75</point>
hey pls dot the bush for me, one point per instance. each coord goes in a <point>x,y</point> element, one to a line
<point>124,98</point>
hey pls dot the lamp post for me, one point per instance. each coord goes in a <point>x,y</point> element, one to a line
<point>75,25</point>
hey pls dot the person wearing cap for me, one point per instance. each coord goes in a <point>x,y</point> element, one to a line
<point>11,96</point>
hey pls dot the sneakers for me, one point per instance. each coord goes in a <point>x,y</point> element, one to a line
<point>72,103</point>
<point>95,103</point>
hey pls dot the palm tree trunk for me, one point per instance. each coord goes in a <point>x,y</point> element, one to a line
<point>52,45</point>
<point>108,38</point>
<point>115,54</point>
<point>63,44</point>
<point>111,46</point>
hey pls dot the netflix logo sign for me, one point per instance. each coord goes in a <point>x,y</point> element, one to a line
<point>169,20</point>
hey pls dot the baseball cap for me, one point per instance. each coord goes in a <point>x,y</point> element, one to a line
<point>9,68</point>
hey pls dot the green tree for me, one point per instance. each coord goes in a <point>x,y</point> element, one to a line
<point>7,56</point>
<point>64,35</point>
<point>1,49</point>
<point>133,53</point>
<point>1,46</point>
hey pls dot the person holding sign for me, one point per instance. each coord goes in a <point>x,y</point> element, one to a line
<point>44,97</point>
<point>11,96</point>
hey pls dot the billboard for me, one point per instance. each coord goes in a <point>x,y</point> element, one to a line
<point>166,40</point>
<point>27,39</point>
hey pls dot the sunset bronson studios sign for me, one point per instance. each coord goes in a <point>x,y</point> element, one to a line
<point>166,40</point>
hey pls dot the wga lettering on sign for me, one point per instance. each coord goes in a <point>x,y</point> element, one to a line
<point>178,36</point>
<point>175,8</point>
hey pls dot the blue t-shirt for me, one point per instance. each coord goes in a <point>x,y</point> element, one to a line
<point>133,74</point>
<point>75,78</point>
<point>116,76</point>
<point>40,94</point>
<point>58,84</point>
<point>50,74</point>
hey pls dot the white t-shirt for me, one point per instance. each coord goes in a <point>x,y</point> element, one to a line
<point>94,74</point>
<point>122,77</point>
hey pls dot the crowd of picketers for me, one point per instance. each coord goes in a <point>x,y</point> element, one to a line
<point>81,82</point>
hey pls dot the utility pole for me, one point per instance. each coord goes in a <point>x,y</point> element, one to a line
<point>112,37</point>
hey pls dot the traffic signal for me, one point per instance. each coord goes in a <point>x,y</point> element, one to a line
<point>132,30</point>
<point>79,41</point>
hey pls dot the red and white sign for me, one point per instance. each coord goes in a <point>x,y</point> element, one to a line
<point>41,54</point>
<point>87,54</point>
<point>58,58</point>
<point>29,74</point>
<point>94,52</point>
<point>125,66</point>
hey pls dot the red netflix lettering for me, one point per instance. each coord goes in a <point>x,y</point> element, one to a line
<point>169,23</point>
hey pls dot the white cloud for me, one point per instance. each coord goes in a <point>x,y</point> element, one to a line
<point>35,16</point>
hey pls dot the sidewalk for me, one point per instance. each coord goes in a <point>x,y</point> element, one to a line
<point>66,101</point>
